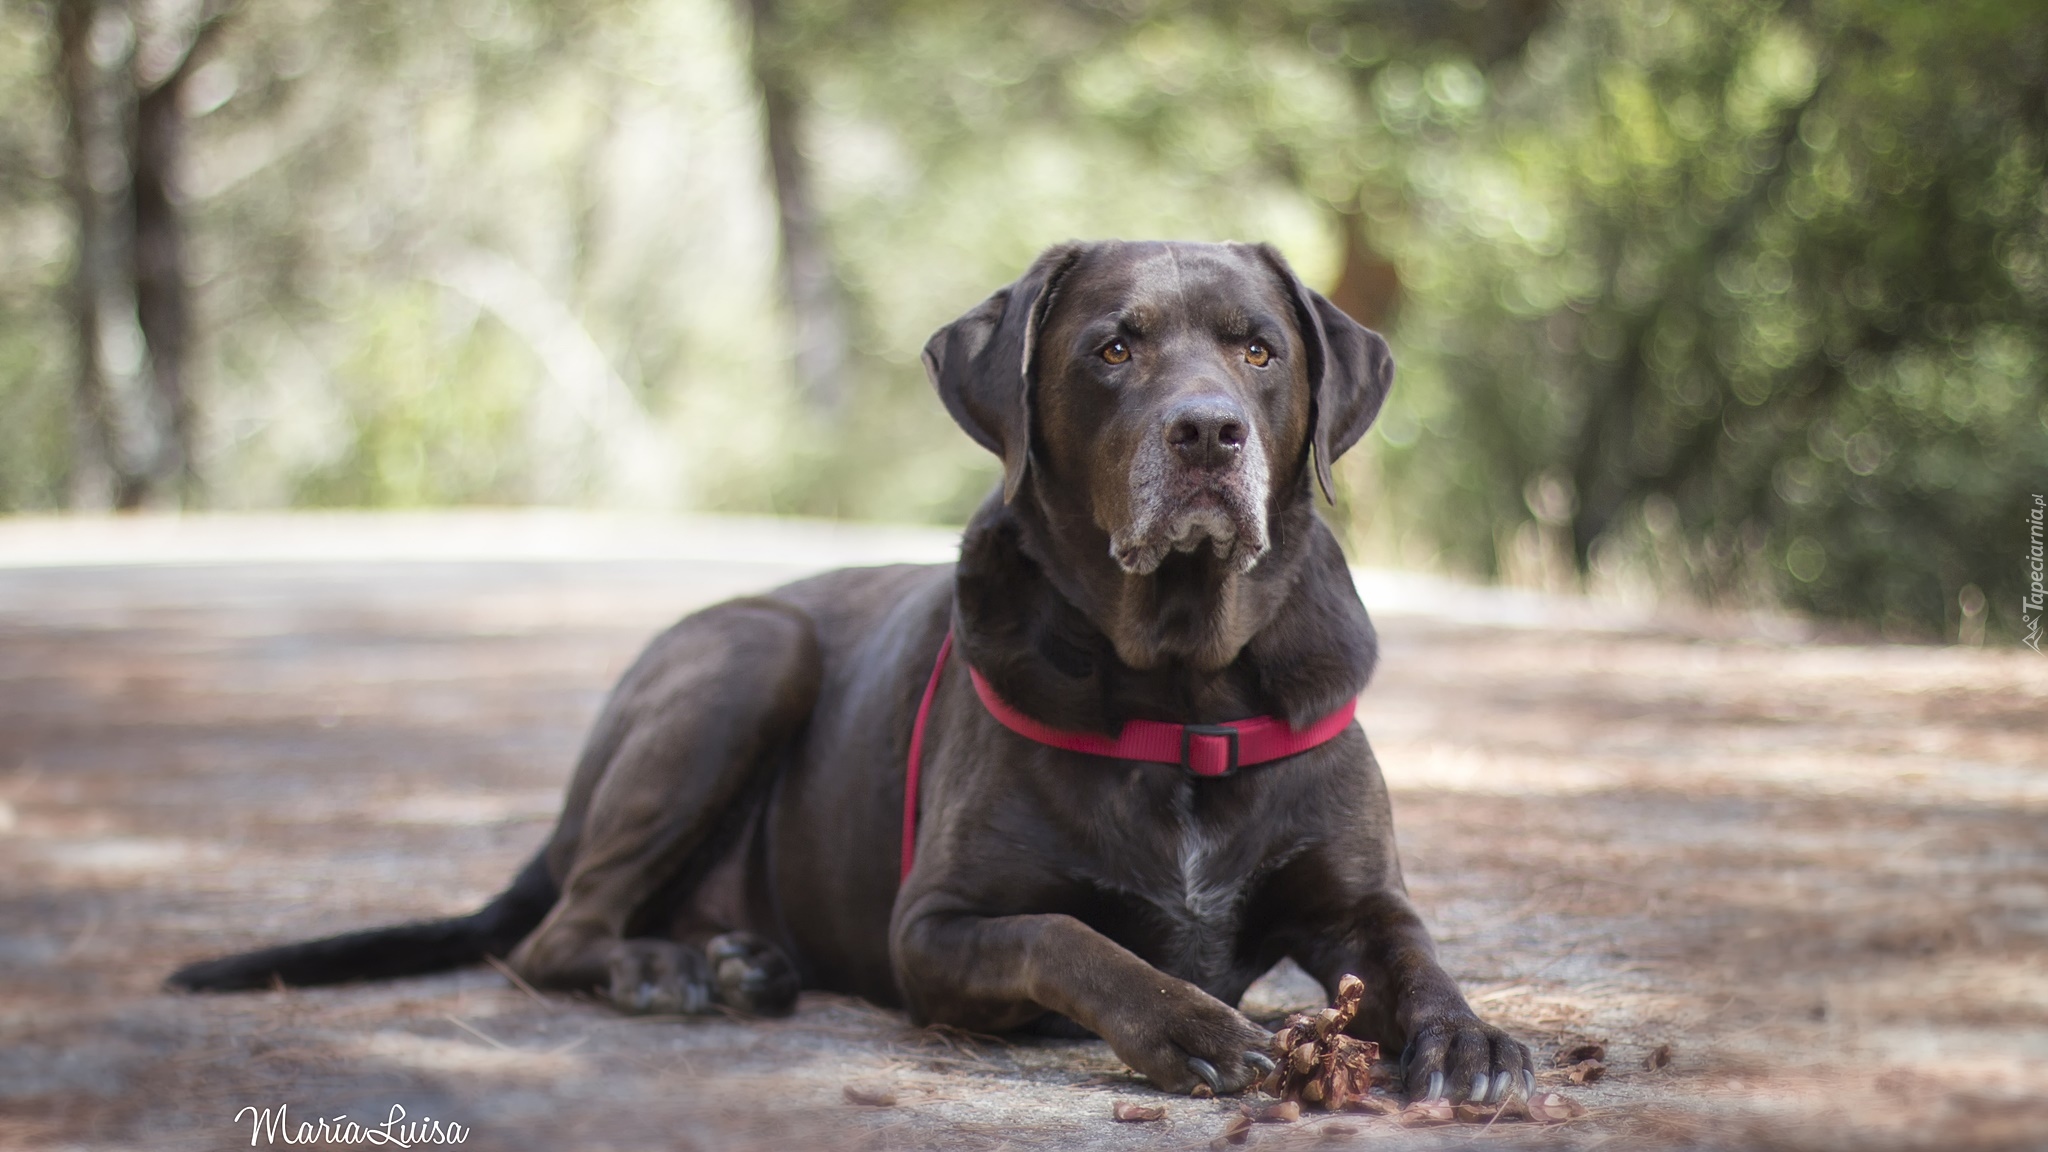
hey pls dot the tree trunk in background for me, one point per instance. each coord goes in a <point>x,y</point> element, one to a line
<point>809,281</point>
<point>163,294</point>
<point>94,41</point>
<point>130,303</point>
<point>1368,286</point>
<point>162,300</point>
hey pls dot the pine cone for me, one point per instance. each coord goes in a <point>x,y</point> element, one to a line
<point>1315,1062</point>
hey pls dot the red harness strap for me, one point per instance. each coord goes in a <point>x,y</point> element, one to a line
<point>924,713</point>
<point>1204,749</point>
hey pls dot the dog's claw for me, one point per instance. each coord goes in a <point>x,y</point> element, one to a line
<point>1207,1072</point>
<point>1435,1091</point>
<point>1261,1061</point>
<point>1528,1084</point>
<point>1478,1093</point>
<point>1498,1091</point>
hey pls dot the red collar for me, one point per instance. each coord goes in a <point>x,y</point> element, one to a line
<point>1210,750</point>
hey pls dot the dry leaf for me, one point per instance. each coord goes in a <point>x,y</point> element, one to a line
<point>1338,1131</point>
<point>1572,1054</point>
<point>1202,1092</point>
<point>1285,1112</point>
<point>1236,1132</point>
<point>1132,1112</point>
<point>869,1095</point>
<point>1424,1114</point>
<point>1372,1105</point>
<point>1586,1071</point>
<point>1474,1113</point>
<point>1555,1108</point>
<point>1658,1057</point>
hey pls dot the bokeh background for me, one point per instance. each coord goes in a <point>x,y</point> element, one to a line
<point>1731,302</point>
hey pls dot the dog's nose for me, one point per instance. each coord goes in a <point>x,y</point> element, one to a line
<point>1207,431</point>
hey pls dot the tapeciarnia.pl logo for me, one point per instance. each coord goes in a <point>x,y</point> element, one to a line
<point>2033,604</point>
<point>274,1126</point>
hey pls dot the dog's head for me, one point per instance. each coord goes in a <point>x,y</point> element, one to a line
<point>1178,394</point>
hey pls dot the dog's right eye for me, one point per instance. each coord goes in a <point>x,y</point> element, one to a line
<point>1117,352</point>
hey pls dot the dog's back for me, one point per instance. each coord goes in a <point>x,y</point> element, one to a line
<point>836,776</point>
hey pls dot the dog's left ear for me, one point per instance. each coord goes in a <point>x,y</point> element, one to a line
<point>981,363</point>
<point>1350,370</point>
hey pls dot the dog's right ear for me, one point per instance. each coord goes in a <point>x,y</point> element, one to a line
<point>981,363</point>
<point>1350,370</point>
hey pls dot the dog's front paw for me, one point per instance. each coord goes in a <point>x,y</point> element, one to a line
<point>752,975</point>
<point>1459,1057</point>
<point>1191,1038</point>
<point>659,978</point>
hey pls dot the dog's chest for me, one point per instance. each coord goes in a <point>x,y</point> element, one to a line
<point>1181,884</point>
<point>1206,893</point>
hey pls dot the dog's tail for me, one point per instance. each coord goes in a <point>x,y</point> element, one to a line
<point>385,953</point>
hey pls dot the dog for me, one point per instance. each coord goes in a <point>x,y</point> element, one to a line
<point>919,784</point>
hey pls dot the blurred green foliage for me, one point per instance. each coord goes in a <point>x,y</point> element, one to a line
<point>431,417</point>
<point>1747,299</point>
<point>35,424</point>
<point>1734,299</point>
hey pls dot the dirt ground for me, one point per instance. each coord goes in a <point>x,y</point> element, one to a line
<point>1817,872</point>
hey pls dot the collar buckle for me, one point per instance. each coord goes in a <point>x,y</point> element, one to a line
<point>1189,733</point>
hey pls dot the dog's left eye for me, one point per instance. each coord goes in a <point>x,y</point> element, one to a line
<point>1256,355</point>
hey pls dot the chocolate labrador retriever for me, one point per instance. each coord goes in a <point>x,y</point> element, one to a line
<point>1151,569</point>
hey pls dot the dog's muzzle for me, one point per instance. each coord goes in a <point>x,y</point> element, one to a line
<point>1203,479</point>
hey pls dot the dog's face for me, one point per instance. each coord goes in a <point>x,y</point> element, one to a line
<point>1172,392</point>
<point>1175,392</point>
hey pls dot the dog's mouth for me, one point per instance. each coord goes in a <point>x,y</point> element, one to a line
<point>1178,510</point>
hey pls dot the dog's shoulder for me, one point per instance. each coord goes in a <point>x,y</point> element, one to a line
<point>1320,648</point>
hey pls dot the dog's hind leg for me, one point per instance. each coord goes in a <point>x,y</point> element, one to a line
<point>678,744</point>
